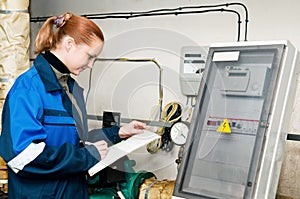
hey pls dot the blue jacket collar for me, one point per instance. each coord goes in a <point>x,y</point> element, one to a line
<point>47,74</point>
<point>51,83</point>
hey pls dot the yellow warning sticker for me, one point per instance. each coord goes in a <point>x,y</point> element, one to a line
<point>224,127</point>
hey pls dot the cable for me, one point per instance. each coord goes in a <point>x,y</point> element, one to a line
<point>172,112</point>
<point>246,18</point>
<point>172,13</point>
<point>166,11</point>
<point>180,9</point>
<point>227,5</point>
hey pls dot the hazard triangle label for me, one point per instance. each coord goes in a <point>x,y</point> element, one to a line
<point>224,127</point>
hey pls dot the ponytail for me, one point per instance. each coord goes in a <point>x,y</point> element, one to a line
<point>81,29</point>
<point>44,39</point>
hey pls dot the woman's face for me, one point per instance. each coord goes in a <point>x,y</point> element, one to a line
<point>82,56</point>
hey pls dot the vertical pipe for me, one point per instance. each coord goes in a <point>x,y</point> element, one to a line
<point>14,42</point>
<point>14,54</point>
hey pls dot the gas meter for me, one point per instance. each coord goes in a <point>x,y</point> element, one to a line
<point>192,65</point>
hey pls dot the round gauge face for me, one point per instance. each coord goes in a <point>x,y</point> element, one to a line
<point>179,132</point>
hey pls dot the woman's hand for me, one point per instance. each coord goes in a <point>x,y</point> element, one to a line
<point>102,148</point>
<point>134,127</point>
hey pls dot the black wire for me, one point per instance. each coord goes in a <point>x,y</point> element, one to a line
<point>153,13</point>
<point>227,5</point>
<point>246,19</point>
<point>160,10</point>
<point>196,12</point>
<point>175,13</point>
<point>180,9</point>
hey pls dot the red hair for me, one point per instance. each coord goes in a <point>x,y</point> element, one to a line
<point>81,29</point>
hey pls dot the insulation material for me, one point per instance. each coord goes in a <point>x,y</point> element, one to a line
<point>6,81</point>
<point>2,166</point>
<point>155,189</point>
<point>14,53</point>
<point>14,5</point>
<point>3,176</point>
<point>4,188</point>
<point>14,42</point>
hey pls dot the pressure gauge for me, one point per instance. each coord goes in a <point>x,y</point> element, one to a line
<point>179,132</point>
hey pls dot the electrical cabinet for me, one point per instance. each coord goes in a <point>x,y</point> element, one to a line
<point>239,126</point>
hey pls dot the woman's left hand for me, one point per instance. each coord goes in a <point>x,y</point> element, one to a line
<point>134,127</point>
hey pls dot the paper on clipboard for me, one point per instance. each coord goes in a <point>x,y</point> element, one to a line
<point>123,148</point>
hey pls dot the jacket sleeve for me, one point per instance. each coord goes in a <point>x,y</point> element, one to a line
<point>110,135</point>
<point>63,161</point>
<point>25,150</point>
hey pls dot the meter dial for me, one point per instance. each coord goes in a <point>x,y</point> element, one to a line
<point>179,132</point>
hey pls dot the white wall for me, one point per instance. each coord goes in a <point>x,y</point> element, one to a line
<point>132,88</point>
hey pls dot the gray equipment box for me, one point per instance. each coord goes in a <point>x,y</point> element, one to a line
<point>240,122</point>
<point>192,65</point>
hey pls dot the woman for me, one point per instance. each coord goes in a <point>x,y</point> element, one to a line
<point>44,124</point>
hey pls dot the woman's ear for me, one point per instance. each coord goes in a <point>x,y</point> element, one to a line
<point>68,43</point>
